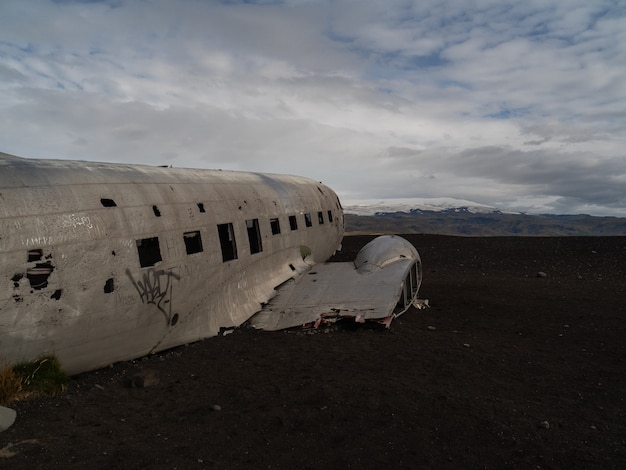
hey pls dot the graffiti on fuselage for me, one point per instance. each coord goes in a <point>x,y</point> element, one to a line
<point>155,287</point>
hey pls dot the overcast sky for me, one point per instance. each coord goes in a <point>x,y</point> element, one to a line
<point>515,104</point>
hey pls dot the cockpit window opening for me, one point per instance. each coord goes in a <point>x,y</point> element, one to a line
<point>307,220</point>
<point>293,222</point>
<point>320,218</point>
<point>330,216</point>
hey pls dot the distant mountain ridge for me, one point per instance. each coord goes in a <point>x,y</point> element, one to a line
<point>445,218</point>
<point>384,206</point>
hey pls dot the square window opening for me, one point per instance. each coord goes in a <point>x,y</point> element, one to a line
<point>193,242</point>
<point>149,251</point>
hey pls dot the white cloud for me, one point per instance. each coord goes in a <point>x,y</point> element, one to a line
<point>517,103</point>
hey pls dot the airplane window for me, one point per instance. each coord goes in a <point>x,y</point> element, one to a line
<point>156,211</point>
<point>254,236</point>
<point>109,286</point>
<point>227,241</point>
<point>149,251</point>
<point>193,242</point>
<point>275,225</point>
<point>330,216</point>
<point>293,222</point>
<point>35,255</point>
<point>307,220</point>
<point>201,207</point>
<point>320,217</point>
<point>108,202</point>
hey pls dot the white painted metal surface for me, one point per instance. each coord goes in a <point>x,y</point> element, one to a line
<point>101,263</point>
<point>73,235</point>
<point>380,285</point>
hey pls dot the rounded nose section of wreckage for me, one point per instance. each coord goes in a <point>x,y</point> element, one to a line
<point>401,261</point>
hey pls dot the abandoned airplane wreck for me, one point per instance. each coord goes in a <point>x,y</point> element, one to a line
<point>107,262</point>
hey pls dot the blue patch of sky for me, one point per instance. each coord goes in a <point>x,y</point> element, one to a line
<point>616,10</point>
<point>28,48</point>
<point>337,37</point>
<point>252,2</point>
<point>424,61</point>
<point>454,84</point>
<point>540,29</point>
<point>507,112</point>
<point>394,61</point>
<point>109,3</point>
<point>64,2</point>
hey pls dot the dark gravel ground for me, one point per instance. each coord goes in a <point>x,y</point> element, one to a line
<point>469,383</point>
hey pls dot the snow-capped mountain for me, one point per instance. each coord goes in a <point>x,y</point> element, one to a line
<point>386,206</point>
<point>461,217</point>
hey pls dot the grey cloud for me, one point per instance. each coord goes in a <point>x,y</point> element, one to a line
<point>486,100</point>
<point>575,177</point>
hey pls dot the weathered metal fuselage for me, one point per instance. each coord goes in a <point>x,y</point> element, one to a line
<point>102,262</point>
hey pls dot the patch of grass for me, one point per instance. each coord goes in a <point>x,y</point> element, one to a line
<point>40,377</point>
<point>10,385</point>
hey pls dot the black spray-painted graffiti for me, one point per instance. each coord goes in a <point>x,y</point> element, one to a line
<point>155,287</point>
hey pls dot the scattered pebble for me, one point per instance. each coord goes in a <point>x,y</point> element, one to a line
<point>466,345</point>
<point>432,328</point>
<point>541,274</point>
<point>544,425</point>
<point>215,408</point>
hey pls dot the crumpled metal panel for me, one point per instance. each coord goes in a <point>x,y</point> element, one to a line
<point>371,288</point>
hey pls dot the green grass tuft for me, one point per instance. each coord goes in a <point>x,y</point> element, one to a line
<point>40,377</point>
<point>10,385</point>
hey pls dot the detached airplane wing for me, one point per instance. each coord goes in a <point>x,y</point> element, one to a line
<point>379,285</point>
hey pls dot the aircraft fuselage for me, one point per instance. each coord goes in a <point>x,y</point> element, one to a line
<point>107,262</point>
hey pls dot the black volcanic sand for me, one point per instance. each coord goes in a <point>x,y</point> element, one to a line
<point>506,369</point>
